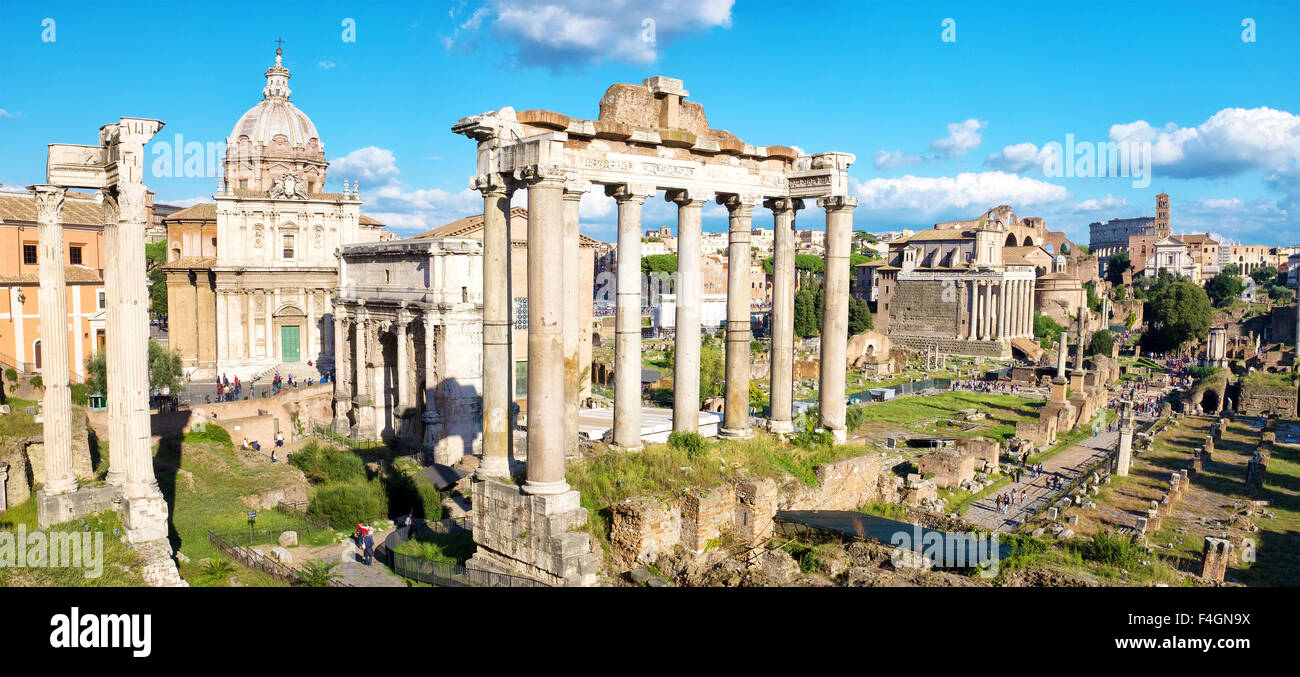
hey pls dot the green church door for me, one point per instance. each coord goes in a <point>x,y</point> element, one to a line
<point>289,344</point>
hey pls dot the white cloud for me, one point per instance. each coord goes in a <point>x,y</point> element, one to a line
<point>1019,157</point>
<point>1105,204</point>
<point>917,198</point>
<point>6,114</point>
<point>11,188</point>
<point>326,64</point>
<point>1232,141</point>
<point>370,163</point>
<point>962,138</point>
<point>189,201</point>
<point>894,159</point>
<point>569,32</point>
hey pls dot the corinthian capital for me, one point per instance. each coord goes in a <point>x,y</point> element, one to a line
<point>541,173</point>
<point>837,202</point>
<point>688,196</point>
<point>575,186</point>
<point>624,192</point>
<point>492,183</point>
<point>49,203</point>
<point>782,205</point>
<point>739,205</point>
<point>131,201</point>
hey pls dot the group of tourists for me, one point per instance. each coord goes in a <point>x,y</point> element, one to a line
<point>228,392</point>
<point>1014,497</point>
<point>365,539</point>
<point>977,386</point>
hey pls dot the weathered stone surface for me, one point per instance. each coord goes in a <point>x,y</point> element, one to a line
<point>288,539</point>
<point>282,555</point>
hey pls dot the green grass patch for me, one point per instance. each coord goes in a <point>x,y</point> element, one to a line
<point>450,548</point>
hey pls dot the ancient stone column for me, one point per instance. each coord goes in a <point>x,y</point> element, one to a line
<point>546,382</point>
<point>627,327</point>
<point>56,405</point>
<point>831,398</point>
<point>1078,346</point>
<point>342,392</point>
<point>781,372</point>
<point>4,480</point>
<point>1125,450</point>
<point>1002,309</point>
<point>686,342</point>
<point>988,310</point>
<point>432,417</point>
<point>497,366</point>
<point>364,397</point>
<point>574,188</point>
<point>1061,352</point>
<point>131,384</point>
<point>403,380</point>
<point>735,415</point>
<point>116,476</point>
<point>972,300</point>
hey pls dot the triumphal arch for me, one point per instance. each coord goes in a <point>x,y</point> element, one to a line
<point>647,138</point>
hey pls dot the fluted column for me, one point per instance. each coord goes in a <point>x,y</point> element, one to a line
<point>574,189</point>
<point>988,311</point>
<point>1061,353</point>
<point>116,476</point>
<point>781,369</point>
<point>131,384</point>
<point>403,381</point>
<point>627,327</point>
<point>735,415</point>
<point>432,417</point>
<point>56,405</point>
<point>364,404</point>
<point>546,382</point>
<point>972,303</point>
<point>686,341</point>
<point>342,393</point>
<point>497,367</point>
<point>832,399</point>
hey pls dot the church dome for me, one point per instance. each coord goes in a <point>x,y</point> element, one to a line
<point>275,115</point>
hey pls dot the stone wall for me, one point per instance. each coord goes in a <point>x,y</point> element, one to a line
<point>643,528</point>
<point>1260,401</point>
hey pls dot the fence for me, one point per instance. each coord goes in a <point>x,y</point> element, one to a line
<point>256,560</point>
<point>326,433</point>
<point>444,574</point>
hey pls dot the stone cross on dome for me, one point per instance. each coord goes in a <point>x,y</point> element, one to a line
<point>277,77</point>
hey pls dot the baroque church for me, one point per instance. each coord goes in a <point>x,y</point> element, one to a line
<point>251,278</point>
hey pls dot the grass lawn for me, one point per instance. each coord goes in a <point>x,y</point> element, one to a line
<point>18,424</point>
<point>120,566</point>
<point>1002,411</point>
<point>449,548</point>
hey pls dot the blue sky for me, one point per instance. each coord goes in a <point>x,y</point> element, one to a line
<point>941,129</point>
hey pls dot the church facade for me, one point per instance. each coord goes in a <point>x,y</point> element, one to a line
<point>251,278</point>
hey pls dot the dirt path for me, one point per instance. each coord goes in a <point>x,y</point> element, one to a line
<point>1069,464</point>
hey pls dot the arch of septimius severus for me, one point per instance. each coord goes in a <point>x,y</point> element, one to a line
<point>646,139</point>
<point>114,168</point>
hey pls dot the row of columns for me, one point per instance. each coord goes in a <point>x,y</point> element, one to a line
<point>359,392</point>
<point>999,309</point>
<point>553,198</point>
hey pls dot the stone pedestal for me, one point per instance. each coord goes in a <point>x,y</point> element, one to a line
<point>59,508</point>
<point>538,537</point>
<point>4,482</point>
<point>145,517</point>
<point>1214,558</point>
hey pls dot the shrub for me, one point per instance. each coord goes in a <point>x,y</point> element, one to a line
<point>431,499</point>
<point>218,570</point>
<point>1110,548</point>
<point>688,441</point>
<point>209,432</point>
<point>854,417</point>
<point>12,375</point>
<point>813,440</point>
<point>77,391</point>
<point>346,505</point>
<point>36,382</point>
<point>318,573</point>
<point>324,464</point>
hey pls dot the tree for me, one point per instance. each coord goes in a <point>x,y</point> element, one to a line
<point>164,371</point>
<point>1102,343</point>
<point>1264,275</point>
<point>1279,293</point>
<point>1046,330</point>
<point>1223,288</point>
<point>712,371</point>
<point>859,316</point>
<point>1180,313</point>
<point>658,263</point>
<point>1232,269</point>
<point>155,257</point>
<point>1065,249</point>
<point>808,311</point>
<point>1116,267</point>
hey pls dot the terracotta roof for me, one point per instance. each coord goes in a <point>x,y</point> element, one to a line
<point>71,274</point>
<point>83,211</point>
<point>203,211</point>
<point>936,234</point>
<point>1016,256</point>
<point>368,221</point>
<point>472,227</point>
<point>189,262</point>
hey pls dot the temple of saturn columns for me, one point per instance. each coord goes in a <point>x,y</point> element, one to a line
<point>647,138</point>
<point>114,168</point>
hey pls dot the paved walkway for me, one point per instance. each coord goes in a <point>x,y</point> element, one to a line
<point>1069,464</point>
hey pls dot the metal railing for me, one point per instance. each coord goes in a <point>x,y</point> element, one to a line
<point>256,560</point>
<point>444,574</point>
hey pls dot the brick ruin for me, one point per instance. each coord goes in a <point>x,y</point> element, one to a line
<point>1214,558</point>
